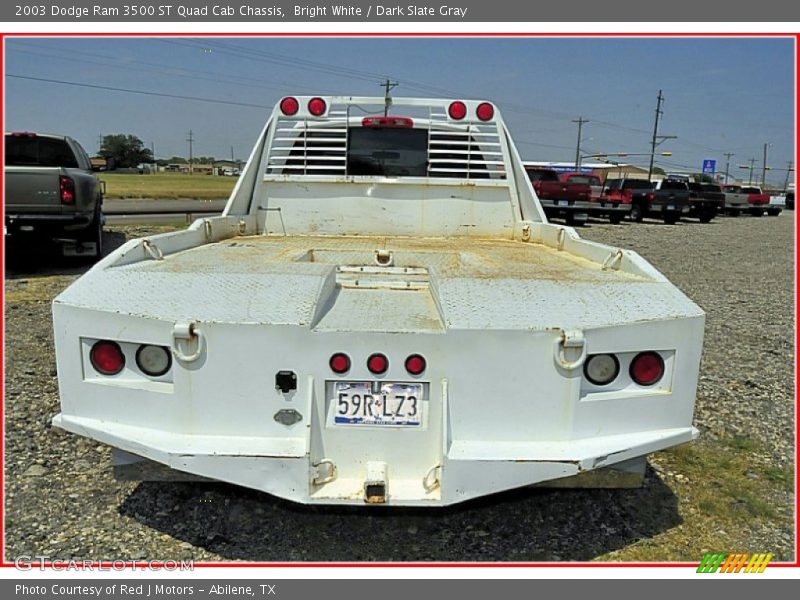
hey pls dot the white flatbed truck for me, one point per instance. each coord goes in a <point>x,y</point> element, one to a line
<point>381,315</point>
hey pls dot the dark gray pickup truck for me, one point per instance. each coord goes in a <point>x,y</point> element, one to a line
<point>52,192</point>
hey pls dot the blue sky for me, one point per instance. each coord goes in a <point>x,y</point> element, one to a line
<point>722,95</point>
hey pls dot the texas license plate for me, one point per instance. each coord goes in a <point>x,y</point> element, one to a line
<point>563,202</point>
<point>382,404</point>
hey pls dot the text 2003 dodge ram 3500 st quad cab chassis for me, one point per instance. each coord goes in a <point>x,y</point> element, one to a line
<point>382,314</point>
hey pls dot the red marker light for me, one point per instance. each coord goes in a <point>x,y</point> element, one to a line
<point>340,363</point>
<point>289,106</point>
<point>485,111</point>
<point>107,357</point>
<point>457,110</point>
<point>378,364</point>
<point>317,107</point>
<point>647,368</point>
<point>415,364</point>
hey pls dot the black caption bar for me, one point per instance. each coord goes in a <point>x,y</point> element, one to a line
<point>407,12</point>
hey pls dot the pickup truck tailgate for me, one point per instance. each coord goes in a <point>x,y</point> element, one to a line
<point>32,190</point>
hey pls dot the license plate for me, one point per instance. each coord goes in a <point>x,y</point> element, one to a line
<point>361,403</point>
<point>671,207</point>
<point>563,202</point>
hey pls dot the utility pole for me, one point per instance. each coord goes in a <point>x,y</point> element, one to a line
<point>752,164</point>
<point>232,154</point>
<point>190,139</point>
<point>790,168</point>
<point>99,142</point>
<point>764,167</point>
<point>657,139</point>
<point>153,149</point>
<point>727,164</point>
<point>387,99</point>
<point>659,112</point>
<point>580,121</point>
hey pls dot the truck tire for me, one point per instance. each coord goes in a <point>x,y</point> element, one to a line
<point>773,213</point>
<point>637,213</point>
<point>757,212</point>
<point>733,212</point>
<point>615,218</point>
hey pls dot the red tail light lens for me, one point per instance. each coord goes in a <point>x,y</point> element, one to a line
<point>485,111</point>
<point>377,364</point>
<point>67,189</point>
<point>457,110</point>
<point>647,368</point>
<point>289,106</point>
<point>415,364</point>
<point>340,363</point>
<point>107,357</point>
<point>317,107</point>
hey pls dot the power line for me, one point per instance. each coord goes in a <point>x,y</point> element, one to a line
<point>142,92</point>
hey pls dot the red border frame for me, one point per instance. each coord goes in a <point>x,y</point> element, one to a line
<point>136,564</point>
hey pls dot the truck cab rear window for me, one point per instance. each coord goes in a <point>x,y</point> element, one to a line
<point>24,151</point>
<point>387,152</point>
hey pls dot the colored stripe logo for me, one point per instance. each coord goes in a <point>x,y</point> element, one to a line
<point>734,563</point>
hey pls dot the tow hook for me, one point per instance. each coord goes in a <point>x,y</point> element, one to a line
<point>571,342</point>
<point>186,334</point>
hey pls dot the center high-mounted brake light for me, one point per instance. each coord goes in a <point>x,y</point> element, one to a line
<point>387,122</point>
<point>66,189</point>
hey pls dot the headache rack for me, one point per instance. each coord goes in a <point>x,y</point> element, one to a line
<point>464,149</point>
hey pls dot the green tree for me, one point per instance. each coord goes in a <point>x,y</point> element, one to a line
<point>659,171</point>
<point>126,150</point>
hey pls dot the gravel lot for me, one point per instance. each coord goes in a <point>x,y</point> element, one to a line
<point>730,491</point>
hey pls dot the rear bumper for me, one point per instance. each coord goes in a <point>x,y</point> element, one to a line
<point>42,224</point>
<point>468,469</point>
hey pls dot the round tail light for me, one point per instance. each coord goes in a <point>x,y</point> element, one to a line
<point>317,107</point>
<point>485,111</point>
<point>153,360</point>
<point>457,110</point>
<point>601,369</point>
<point>647,368</point>
<point>340,363</point>
<point>107,357</point>
<point>378,364</point>
<point>289,106</point>
<point>415,364</point>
